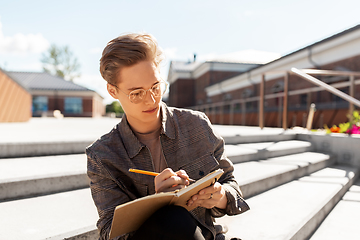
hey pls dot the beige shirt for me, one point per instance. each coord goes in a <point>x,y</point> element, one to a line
<point>152,141</point>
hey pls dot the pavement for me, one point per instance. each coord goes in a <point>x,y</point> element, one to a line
<point>53,129</point>
<point>80,129</point>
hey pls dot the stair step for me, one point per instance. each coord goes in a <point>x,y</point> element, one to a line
<point>23,177</point>
<point>255,151</point>
<point>343,220</point>
<point>292,210</point>
<point>50,136</point>
<point>55,216</point>
<point>243,134</point>
<point>258,176</point>
<point>42,148</point>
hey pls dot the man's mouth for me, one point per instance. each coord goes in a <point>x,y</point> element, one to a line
<point>150,110</point>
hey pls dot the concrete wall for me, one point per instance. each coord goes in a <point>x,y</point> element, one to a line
<point>345,148</point>
<point>15,101</point>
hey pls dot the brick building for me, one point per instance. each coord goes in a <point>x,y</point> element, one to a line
<point>235,99</point>
<point>49,93</point>
<point>188,80</point>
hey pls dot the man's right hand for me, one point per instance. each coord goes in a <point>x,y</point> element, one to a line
<point>168,180</point>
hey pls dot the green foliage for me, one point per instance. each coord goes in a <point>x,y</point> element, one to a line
<point>344,127</point>
<point>60,61</point>
<point>114,107</point>
<point>350,127</point>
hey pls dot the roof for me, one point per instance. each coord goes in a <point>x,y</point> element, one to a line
<point>246,56</point>
<point>44,81</point>
<point>352,29</point>
<point>351,35</point>
<point>180,66</point>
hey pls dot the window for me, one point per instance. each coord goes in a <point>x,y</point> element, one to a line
<point>40,104</point>
<point>73,105</point>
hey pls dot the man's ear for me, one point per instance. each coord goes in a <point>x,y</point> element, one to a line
<point>111,90</point>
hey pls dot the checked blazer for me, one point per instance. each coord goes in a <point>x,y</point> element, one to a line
<point>188,142</point>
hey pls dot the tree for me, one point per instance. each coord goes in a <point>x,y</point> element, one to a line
<point>114,107</point>
<point>60,61</point>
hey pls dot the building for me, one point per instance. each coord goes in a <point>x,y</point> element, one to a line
<point>188,80</point>
<point>15,100</point>
<point>235,100</point>
<point>49,93</point>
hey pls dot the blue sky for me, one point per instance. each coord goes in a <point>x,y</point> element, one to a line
<point>207,28</point>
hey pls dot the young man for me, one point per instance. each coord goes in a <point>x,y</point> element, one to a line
<point>177,143</point>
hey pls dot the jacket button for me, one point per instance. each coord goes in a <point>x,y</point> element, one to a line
<point>201,173</point>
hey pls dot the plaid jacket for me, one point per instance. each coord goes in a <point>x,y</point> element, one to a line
<point>188,143</point>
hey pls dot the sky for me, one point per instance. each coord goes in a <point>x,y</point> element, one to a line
<point>208,28</point>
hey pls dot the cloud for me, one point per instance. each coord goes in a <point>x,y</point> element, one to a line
<point>20,43</point>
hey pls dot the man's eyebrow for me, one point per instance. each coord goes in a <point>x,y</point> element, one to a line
<point>135,88</point>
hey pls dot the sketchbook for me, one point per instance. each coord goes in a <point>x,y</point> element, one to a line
<point>130,216</point>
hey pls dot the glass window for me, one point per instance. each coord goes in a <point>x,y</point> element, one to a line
<point>40,104</point>
<point>73,105</point>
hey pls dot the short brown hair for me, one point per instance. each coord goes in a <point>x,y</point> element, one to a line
<point>127,50</point>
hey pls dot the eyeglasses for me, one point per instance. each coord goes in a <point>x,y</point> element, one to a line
<point>138,95</point>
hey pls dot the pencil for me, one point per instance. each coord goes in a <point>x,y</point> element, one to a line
<point>150,173</point>
<point>143,172</point>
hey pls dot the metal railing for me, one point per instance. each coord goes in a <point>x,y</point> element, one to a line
<point>304,73</point>
<point>219,107</point>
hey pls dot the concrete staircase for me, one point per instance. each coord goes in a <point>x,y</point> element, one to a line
<point>293,191</point>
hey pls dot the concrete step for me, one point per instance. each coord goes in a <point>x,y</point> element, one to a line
<point>50,136</point>
<point>244,134</point>
<point>263,150</point>
<point>70,215</point>
<point>258,176</point>
<point>43,148</point>
<point>40,137</point>
<point>343,220</point>
<point>24,177</point>
<point>253,177</point>
<point>292,210</point>
<point>42,175</point>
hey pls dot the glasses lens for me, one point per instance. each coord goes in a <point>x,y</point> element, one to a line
<point>136,96</point>
<point>159,89</point>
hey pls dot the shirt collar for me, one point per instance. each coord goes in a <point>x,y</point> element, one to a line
<point>131,142</point>
<point>168,127</point>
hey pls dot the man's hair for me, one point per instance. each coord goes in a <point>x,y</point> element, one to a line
<point>127,50</point>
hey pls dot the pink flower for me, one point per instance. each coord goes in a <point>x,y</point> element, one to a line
<point>353,130</point>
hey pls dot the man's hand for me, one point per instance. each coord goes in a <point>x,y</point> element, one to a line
<point>213,196</point>
<point>168,180</point>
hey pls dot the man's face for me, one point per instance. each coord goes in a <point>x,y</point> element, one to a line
<point>144,116</point>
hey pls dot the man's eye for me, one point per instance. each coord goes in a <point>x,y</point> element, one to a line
<point>156,87</point>
<point>136,94</point>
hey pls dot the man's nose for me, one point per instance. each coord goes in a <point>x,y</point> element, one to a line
<point>149,96</point>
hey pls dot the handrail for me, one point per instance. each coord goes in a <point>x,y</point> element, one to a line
<point>303,73</point>
<point>326,86</point>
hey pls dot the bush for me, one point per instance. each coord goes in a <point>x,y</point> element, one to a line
<point>114,107</point>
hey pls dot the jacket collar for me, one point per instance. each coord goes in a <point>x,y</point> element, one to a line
<point>132,145</point>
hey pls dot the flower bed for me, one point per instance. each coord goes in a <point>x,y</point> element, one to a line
<point>350,127</point>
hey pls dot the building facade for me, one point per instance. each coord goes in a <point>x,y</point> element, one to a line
<point>235,100</point>
<point>15,100</point>
<point>48,93</point>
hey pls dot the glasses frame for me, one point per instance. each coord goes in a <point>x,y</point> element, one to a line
<point>150,89</point>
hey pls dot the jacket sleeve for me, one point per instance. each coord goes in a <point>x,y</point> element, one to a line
<point>235,202</point>
<point>106,194</point>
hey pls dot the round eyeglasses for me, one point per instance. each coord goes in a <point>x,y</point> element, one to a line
<point>138,95</point>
